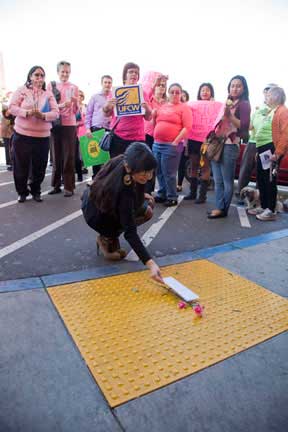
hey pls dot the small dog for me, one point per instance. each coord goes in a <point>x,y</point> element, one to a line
<point>251,198</point>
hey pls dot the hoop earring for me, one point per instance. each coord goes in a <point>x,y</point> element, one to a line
<point>127,179</point>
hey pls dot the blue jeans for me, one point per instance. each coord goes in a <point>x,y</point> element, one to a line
<point>168,158</point>
<point>224,173</point>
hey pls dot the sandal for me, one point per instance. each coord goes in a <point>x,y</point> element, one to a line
<point>216,214</point>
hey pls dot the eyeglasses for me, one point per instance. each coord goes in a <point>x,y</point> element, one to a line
<point>133,71</point>
<point>148,174</point>
<point>175,92</point>
<point>39,75</point>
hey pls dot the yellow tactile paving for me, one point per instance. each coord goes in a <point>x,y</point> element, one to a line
<point>134,338</point>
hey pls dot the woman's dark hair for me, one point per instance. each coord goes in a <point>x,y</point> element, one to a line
<point>129,66</point>
<point>108,183</point>
<point>245,94</point>
<point>31,71</point>
<point>205,85</point>
<point>139,157</point>
<point>175,84</point>
<point>186,94</point>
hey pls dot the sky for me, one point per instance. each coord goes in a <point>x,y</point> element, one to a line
<point>191,41</point>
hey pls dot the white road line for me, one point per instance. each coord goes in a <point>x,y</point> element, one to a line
<point>244,221</point>
<point>9,203</point>
<point>37,234</point>
<point>6,183</point>
<point>154,229</point>
<point>12,182</point>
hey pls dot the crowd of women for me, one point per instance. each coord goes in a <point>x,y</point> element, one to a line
<point>159,142</point>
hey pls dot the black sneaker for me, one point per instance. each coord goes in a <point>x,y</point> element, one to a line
<point>190,196</point>
<point>54,191</point>
<point>37,198</point>
<point>170,203</point>
<point>22,198</point>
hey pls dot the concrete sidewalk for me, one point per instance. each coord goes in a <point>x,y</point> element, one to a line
<point>46,386</point>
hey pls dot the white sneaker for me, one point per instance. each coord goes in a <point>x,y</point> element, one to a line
<point>255,211</point>
<point>267,215</point>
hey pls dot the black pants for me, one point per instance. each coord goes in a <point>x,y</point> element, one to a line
<point>150,185</point>
<point>78,161</point>
<point>267,185</point>
<point>119,145</point>
<point>29,151</point>
<point>7,151</point>
<point>181,168</point>
<point>247,165</point>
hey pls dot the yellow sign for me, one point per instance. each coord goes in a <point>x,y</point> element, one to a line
<point>93,148</point>
<point>128,101</point>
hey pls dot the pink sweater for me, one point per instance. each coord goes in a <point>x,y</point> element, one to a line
<point>67,114</point>
<point>25,99</point>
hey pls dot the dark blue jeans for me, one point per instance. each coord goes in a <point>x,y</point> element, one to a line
<point>224,173</point>
<point>168,158</point>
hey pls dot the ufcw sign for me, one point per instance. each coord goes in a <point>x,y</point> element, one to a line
<point>128,100</point>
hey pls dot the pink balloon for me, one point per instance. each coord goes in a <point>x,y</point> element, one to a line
<point>147,82</point>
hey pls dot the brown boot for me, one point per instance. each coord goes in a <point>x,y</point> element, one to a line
<point>116,247</point>
<point>110,248</point>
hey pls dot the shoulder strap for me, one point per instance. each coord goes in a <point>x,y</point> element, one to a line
<point>116,123</point>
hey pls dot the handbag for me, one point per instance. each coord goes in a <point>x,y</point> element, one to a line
<point>213,145</point>
<point>106,140</point>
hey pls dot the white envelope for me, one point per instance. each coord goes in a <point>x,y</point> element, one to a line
<point>180,289</point>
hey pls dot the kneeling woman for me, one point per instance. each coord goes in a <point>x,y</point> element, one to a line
<point>116,204</point>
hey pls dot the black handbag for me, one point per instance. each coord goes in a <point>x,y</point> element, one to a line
<point>106,140</point>
<point>56,123</point>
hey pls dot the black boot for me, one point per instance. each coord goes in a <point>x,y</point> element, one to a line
<point>193,189</point>
<point>203,192</point>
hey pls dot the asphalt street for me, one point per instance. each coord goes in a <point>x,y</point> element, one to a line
<point>51,237</point>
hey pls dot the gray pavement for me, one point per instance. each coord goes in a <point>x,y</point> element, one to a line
<point>46,386</point>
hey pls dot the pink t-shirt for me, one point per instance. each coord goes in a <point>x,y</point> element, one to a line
<point>67,114</point>
<point>148,124</point>
<point>130,128</point>
<point>170,120</point>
